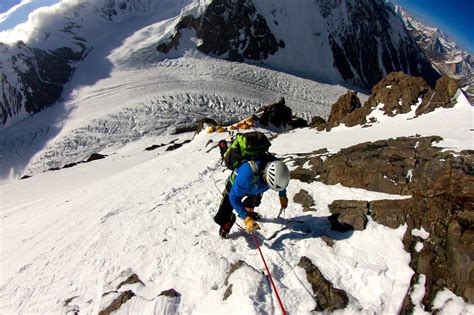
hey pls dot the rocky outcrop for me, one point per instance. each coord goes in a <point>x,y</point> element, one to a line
<point>348,215</point>
<point>441,186</point>
<point>305,199</point>
<point>327,297</point>
<point>278,115</point>
<point>442,97</point>
<point>398,93</point>
<point>233,29</point>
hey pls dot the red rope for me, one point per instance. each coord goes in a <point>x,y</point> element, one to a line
<point>269,275</point>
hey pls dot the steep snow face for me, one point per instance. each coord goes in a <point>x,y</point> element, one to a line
<point>70,243</point>
<point>303,29</point>
<point>357,42</point>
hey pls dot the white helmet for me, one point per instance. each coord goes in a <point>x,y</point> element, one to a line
<point>277,175</point>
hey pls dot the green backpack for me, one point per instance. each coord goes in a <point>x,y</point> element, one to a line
<point>247,146</point>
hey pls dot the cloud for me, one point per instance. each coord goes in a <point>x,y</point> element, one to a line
<point>31,19</point>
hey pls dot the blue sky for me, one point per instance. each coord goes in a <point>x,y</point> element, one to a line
<point>454,17</point>
<point>20,15</point>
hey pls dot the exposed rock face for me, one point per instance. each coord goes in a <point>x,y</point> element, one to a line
<point>356,52</point>
<point>326,296</point>
<point>277,114</point>
<point>442,188</point>
<point>348,215</point>
<point>231,28</point>
<point>36,77</point>
<point>305,199</point>
<point>443,96</point>
<point>346,104</point>
<point>237,31</point>
<point>318,123</point>
<point>398,93</point>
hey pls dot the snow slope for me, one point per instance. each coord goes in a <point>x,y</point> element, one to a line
<point>121,92</point>
<point>80,232</point>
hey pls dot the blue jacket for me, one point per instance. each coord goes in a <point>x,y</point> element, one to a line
<point>245,184</point>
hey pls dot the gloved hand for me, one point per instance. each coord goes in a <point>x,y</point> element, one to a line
<point>283,202</point>
<point>251,225</point>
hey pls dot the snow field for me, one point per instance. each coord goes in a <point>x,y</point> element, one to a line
<point>154,219</point>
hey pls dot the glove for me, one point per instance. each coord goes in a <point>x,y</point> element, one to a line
<point>250,225</point>
<point>283,202</point>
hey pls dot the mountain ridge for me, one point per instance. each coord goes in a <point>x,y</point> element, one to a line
<point>326,50</point>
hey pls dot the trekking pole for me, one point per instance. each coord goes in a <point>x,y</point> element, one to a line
<point>269,275</point>
<point>279,213</point>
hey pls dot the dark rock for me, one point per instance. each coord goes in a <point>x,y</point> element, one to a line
<point>346,104</point>
<point>362,60</point>
<point>171,293</point>
<point>305,199</point>
<point>459,251</point>
<point>441,187</point>
<point>131,280</point>
<point>442,97</point>
<point>304,174</point>
<point>296,122</point>
<point>317,121</point>
<point>391,213</point>
<point>229,27</point>
<point>96,156</point>
<point>176,145</point>
<point>26,176</point>
<point>153,147</point>
<point>398,92</point>
<point>40,76</point>
<point>117,303</point>
<point>348,215</point>
<point>70,165</point>
<point>276,114</point>
<point>326,296</point>
<point>227,293</point>
<point>329,241</point>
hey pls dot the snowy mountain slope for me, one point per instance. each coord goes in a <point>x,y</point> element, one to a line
<point>131,104</point>
<point>358,42</point>
<point>79,233</point>
<point>445,54</point>
<point>319,37</point>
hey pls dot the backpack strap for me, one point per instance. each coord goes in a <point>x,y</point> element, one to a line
<point>253,167</point>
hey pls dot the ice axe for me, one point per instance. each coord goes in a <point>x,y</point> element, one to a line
<point>279,213</point>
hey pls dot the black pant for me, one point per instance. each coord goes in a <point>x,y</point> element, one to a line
<point>224,214</point>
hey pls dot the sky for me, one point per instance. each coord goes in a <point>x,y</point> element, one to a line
<point>454,17</point>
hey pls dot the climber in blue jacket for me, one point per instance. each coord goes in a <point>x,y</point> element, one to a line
<point>244,191</point>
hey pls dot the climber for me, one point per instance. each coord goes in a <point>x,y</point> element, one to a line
<point>244,190</point>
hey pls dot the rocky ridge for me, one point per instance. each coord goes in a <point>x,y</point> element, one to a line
<point>440,185</point>
<point>395,94</point>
